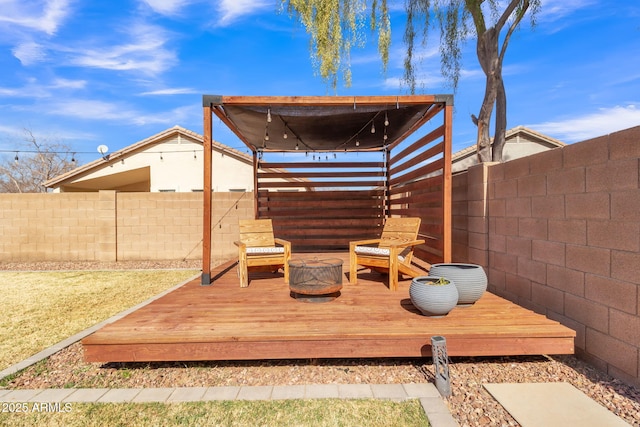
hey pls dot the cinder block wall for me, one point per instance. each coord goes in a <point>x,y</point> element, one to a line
<point>559,233</point>
<point>110,226</point>
<point>51,227</point>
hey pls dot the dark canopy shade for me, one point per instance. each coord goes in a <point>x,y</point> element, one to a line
<point>324,123</point>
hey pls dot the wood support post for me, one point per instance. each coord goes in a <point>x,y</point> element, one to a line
<point>206,196</point>
<point>447,183</point>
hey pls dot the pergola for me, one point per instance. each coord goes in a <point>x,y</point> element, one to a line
<point>341,200</point>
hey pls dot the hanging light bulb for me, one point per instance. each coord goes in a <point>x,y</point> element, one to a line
<point>266,135</point>
<point>73,158</point>
<point>15,159</point>
<point>297,147</point>
<point>161,158</point>
<point>269,115</point>
<point>373,127</point>
<point>194,155</point>
<point>285,136</point>
<point>357,143</point>
<point>386,119</point>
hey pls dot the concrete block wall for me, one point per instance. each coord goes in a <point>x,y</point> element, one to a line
<point>562,236</point>
<point>109,226</point>
<point>52,227</point>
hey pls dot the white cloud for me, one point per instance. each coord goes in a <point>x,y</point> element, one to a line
<point>557,10</point>
<point>91,109</point>
<point>29,53</point>
<point>166,7</point>
<point>60,83</point>
<point>85,109</point>
<point>170,91</point>
<point>44,15</point>
<point>231,10</point>
<point>146,52</point>
<point>603,122</point>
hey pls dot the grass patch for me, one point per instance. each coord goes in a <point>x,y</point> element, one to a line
<point>43,308</point>
<point>326,412</point>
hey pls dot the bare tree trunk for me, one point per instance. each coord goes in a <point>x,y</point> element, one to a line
<point>484,137</point>
<point>487,50</point>
<point>501,120</point>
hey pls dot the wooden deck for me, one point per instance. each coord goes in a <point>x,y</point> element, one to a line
<point>262,321</point>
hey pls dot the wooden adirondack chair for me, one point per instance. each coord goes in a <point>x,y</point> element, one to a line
<point>259,250</point>
<point>391,253</point>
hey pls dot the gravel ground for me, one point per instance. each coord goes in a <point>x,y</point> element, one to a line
<point>470,403</point>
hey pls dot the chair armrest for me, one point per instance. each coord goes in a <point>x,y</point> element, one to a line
<point>407,244</point>
<point>240,244</point>
<point>282,242</point>
<point>363,242</point>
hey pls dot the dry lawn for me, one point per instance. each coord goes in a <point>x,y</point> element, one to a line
<point>42,308</point>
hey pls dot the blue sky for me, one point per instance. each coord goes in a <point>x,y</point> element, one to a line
<point>86,73</point>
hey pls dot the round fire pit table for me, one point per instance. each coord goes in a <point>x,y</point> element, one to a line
<point>317,280</point>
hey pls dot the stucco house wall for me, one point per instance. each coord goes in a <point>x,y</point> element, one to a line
<point>171,160</point>
<point>519,142</point>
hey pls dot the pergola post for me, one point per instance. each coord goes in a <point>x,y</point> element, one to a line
<point>206,196</point>
<point>255,184</point>
<point>447,182</point>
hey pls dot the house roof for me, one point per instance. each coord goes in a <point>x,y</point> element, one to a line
<point>139,146</point>
<point>328,123</point>
<point>511,134</point>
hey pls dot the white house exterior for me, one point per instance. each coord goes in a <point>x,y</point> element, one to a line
<point>171,160</point>
<point>519,142</point>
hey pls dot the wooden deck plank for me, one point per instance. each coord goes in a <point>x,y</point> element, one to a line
<point>263,321</point>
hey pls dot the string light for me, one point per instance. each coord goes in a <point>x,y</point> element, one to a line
<point>161,158</point>
<point>386,119</point>
<point>373,127</point>
<point>15,159</point>
<point>73,158</point>
<point>269,115</point>
<point>297,147</point>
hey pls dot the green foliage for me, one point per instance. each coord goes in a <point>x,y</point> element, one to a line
<point>440,282</point>
<point>336,26</point>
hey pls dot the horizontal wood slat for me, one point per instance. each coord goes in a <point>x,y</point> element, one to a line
<point>318,184</point>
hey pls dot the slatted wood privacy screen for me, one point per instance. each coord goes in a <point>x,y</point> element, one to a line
<point>417,188</point>
<point>337,202</point>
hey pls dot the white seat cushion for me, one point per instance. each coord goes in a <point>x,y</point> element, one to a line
<point>372,250</point>
<point>260,250</point>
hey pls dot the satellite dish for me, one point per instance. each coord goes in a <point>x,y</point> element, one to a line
<point>102,149</point>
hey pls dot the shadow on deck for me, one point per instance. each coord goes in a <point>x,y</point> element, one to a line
<point>263,321</point>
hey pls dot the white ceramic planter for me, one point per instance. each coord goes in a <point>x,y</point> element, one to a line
<point>433,300</point>
<point>470,279</point>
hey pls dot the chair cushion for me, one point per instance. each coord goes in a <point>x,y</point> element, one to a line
<point>372,250</point>
<point>265,250</point>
